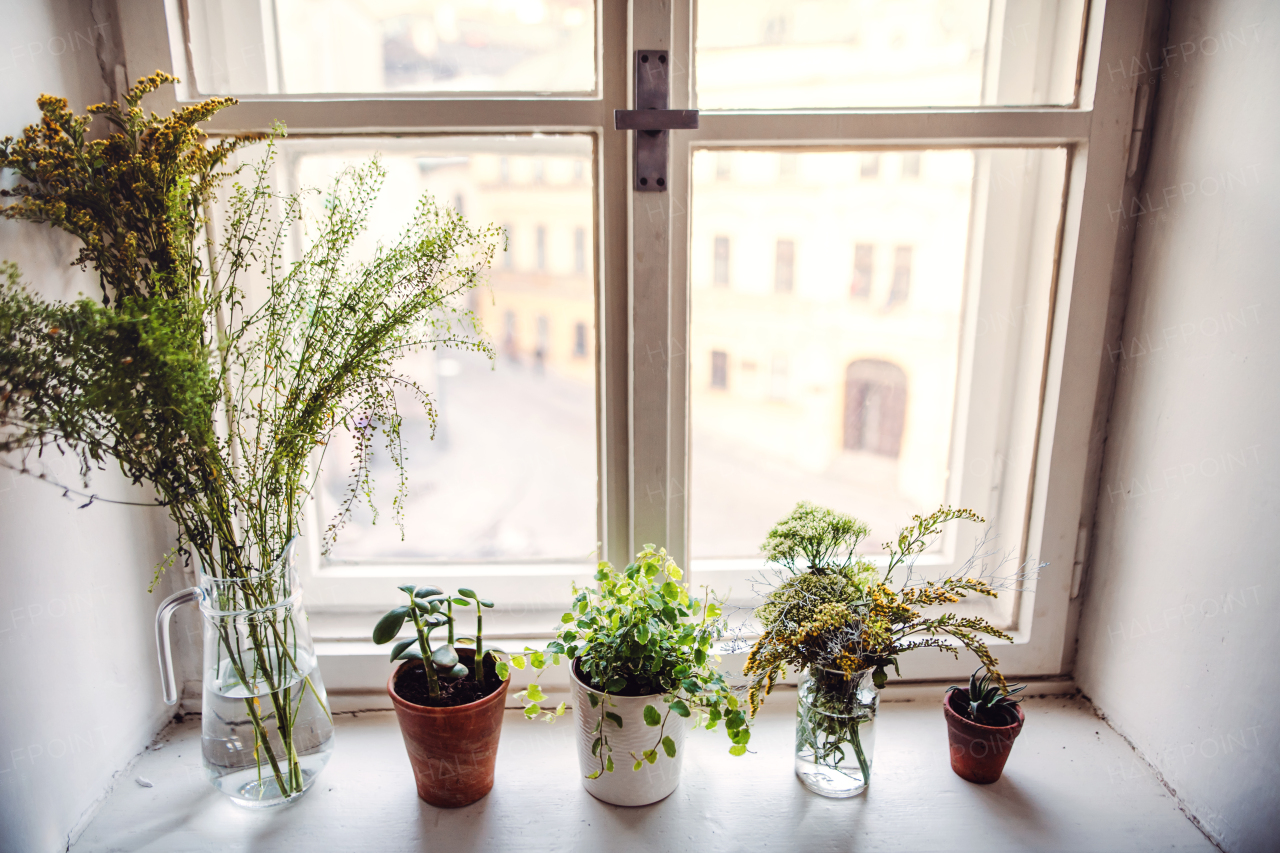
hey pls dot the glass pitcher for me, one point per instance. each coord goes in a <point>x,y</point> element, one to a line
<point>267,728</point>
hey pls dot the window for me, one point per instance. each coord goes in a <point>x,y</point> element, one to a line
<point>1004,200</point>
<point>724,166</point>
<point>721,271</point>
<point>901,275</point>
<point>719,369</point>
<point>509,255</point>
<point>315,46</point>
<point>779,373</point>
<point>784,266</point>
<point>863,269</point>
<point>875,405</point>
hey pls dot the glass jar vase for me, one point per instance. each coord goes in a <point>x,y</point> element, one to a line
<point>835,731</point>
<point>266,726</point>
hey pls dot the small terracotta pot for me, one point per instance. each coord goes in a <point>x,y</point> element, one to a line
<point>978,753</point>
<point>452,750</point>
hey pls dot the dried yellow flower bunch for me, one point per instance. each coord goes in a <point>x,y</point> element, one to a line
<point>837,610</point>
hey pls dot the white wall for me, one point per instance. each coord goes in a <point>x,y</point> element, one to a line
<point>1179,630</point>
<point>81,693</point>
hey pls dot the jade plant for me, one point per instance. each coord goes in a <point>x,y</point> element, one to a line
<point>987,702</point>
<point>430,608</point>
<point>640,633</point>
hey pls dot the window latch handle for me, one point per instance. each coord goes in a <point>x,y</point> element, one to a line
<point>652,121</point>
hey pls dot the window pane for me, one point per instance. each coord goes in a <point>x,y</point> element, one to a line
<point>248,47</point>
<point>510,473</point>
<point>882,390</point>
<point>780,54</point>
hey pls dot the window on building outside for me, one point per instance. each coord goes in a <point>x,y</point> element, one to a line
<point>541,247</point>
<point>864,256</point>
<point>719,369</point>
<point>779,377</point>
<point>901,288</point>
<point>784,266</point>
<point>724,166</point>
<point>787,164</point>
<point>875,406</point>
<point>911,164</point>
<point>579,250</point>
<point>579,340</point>
<point>870,166</point>
<point>720,274</point>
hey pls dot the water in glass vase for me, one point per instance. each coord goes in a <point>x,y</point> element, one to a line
<point>240,765</point>
<point>835,733</point>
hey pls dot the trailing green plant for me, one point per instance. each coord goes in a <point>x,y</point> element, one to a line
<point>640,633</point>
<point>429,608</point>
<point>841,612</point>
<point>986,701</point>
<point>225,405</point>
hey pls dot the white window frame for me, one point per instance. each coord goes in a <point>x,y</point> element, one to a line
<point>642,266</point>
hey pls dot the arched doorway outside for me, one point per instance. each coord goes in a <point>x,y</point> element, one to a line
<point>875,407</point>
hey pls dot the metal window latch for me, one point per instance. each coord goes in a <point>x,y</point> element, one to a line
<point>652,121</point>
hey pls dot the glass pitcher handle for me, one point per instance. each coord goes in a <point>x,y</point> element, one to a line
<point>170,604</point>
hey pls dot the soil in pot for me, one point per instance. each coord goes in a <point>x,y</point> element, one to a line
<point>412,686</point>
<point>978,752</point>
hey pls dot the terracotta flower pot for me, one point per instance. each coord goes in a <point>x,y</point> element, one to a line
<point>978,752</point>
<point>452,750</point>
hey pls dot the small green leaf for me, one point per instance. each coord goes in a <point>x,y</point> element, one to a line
<point>407,589</point>
<point>535,692</point>
<point>459,671</point>
<point>595,746</point>
<point>462,602</point>
<point>465,641</point>
<point>400,647</point>
<point>559,712</point>
<point>518,661</point>
<point>538,660</point>
<point>615,684</point>
<point>616,719</point>
<point>469,593</point>
<point>595,700</point>
<point>566,618</point>
<point>651,755</point>
<point>389,625</point>
<point>426,591</point>
<point>671,591</point>
<point>411,654</point>
<point>637,765</point>
<point>669,746</point>
<point>532,711</point>
<point>484,602</point>
<point>738,749</point>
<point>503,670</point>
<point>444,657</point>
<point>608,764</point>
<point>595,775</point>
<point>651,716</point>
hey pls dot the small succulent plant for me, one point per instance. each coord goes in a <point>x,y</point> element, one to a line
<point>430,608</point>
<point>988,703</point>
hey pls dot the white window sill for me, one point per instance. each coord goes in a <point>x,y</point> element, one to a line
<point>1071,784</point>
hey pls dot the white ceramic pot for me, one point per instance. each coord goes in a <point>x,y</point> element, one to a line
<point>624,786</point>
